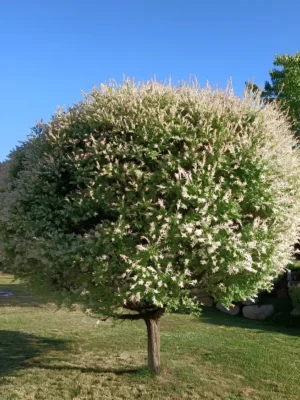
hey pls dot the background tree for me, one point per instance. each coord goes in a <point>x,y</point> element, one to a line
<point>3,172</point>
<point>285,86</point>
<point>3,177</point>
<point>252,87</point>
<point>9,172</point>
<point>140,192</point>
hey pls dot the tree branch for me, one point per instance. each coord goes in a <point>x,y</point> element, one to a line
<point>154,314</point>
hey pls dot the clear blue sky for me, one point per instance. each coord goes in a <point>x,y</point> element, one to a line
<point>53,49</point>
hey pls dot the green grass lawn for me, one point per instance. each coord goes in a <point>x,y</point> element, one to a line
<point>49,354</point>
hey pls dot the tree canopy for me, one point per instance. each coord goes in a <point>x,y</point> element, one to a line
<point>285,86</point>
<point>142,191</point>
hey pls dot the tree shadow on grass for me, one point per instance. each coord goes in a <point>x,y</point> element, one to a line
<point>21,295</point>
<point>22,301</point>
<point>91,370</point>
<point>281,322</point>
<point>19,351</point>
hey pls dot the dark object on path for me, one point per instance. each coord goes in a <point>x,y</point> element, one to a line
<point>5,293</point>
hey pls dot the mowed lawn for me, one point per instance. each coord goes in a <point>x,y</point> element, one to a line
<point>58,354</point>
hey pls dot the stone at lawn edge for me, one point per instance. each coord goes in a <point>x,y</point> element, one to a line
<point>202,296</point>
<point>259,313</point>
<point>234,310</point>
<point>295,312</point>
<point>206,301</point>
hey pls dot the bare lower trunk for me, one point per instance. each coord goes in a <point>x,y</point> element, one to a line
<point>151,318</point>
<point>153,345</point>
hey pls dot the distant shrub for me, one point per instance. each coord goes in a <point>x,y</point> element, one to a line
<point>295,297</point>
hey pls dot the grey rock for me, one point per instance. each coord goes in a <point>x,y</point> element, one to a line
<point>234,310</point>
<point>203,297</point>
<point>295,312</point>
<point>259,313</point>
<point>196,291</point>
<point>206,301</point>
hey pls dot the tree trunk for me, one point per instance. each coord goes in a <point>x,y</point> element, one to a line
<point>153,344</point>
